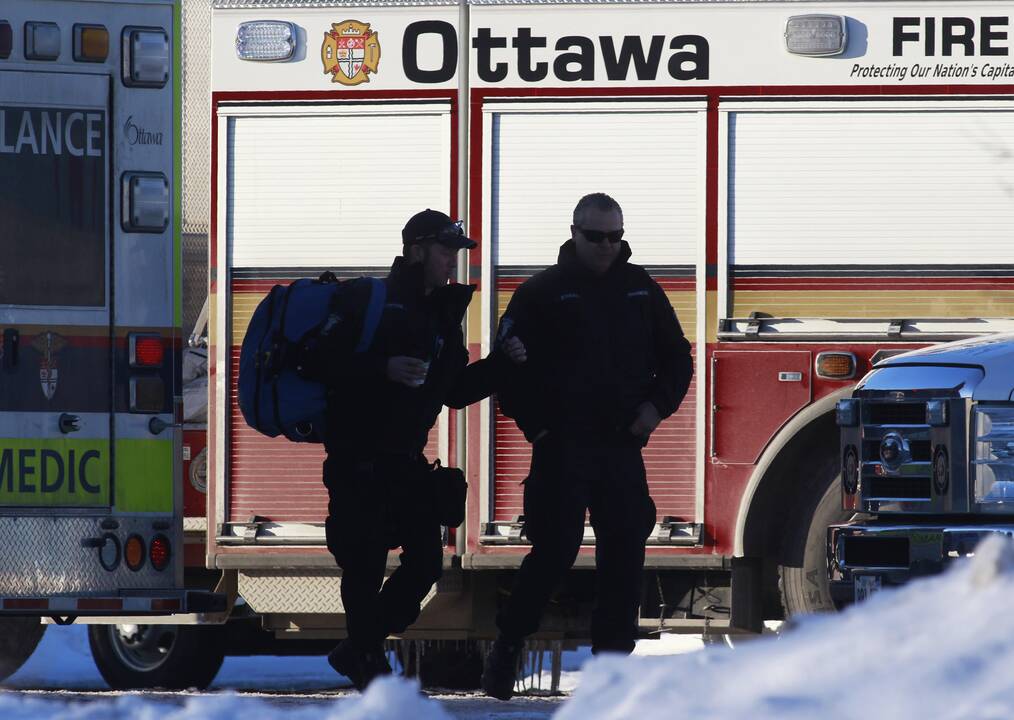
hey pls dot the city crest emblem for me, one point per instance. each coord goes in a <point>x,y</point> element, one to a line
<point>48,344</point>
<point>351,52</point>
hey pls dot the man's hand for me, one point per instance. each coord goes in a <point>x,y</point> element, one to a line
<point>408,371</point>
<point>515,349</point>
<point>646,421</point>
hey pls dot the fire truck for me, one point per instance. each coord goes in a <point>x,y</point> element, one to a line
<point>804,179</point>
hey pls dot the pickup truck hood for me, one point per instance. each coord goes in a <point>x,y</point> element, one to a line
<point>993,354</point>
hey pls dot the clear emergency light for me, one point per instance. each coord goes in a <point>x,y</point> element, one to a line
<point>42,41</point>
<point>265,40</point>
<point>145,57</point>
<point>144,202</point>
<point>816,35</point>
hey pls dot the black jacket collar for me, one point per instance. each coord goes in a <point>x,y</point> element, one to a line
<point>450,301</point>
<point>569,261</point>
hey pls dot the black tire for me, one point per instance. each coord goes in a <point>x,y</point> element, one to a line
<point>18,639</point>
<point>174,657</point>
<point>453,665</point>
<point>803,569</point>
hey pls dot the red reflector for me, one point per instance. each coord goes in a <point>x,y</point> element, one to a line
<point>165,604</point>
<point>148,351</point>
<point>158,552</point>
<point>26,604</point>
<point>100,604</point>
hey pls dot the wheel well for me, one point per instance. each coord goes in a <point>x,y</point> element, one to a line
<point>783,485</point>
<point>783,493</point>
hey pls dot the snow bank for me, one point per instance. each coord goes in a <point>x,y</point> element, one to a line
<point>941,647</point>
<point>386,699</point>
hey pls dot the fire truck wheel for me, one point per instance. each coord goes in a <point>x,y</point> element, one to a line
<point>18,639</point>
<point>174,657</point>
<point>803,572</point>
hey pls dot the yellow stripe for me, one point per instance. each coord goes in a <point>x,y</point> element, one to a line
<point>243,306</point>
<point>875,303</point>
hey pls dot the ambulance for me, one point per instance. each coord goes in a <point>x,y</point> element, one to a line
<point>91,418</point>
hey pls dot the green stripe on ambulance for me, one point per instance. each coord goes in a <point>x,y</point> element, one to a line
<point>54,473</point>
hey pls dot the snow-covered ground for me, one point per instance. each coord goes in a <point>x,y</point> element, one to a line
<point>939,648</point>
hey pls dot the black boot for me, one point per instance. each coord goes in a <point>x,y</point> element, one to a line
<point>500,671</point>
<point>358,664</point>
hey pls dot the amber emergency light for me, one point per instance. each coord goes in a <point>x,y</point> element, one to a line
<point>91,43</point>
<point>836,365</point>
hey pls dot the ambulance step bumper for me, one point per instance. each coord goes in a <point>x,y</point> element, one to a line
<point>186,601</point>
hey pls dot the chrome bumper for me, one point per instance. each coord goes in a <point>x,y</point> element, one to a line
<point>897,553</point>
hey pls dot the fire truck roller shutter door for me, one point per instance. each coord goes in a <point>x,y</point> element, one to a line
<point>347,178</point>
<point>873,186</point>
<point>649,156</point>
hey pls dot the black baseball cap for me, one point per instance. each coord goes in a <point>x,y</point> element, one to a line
<point>433,226</point>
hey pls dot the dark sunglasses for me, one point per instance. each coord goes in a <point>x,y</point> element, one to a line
<point>447,233</point>
<point>597,236</point>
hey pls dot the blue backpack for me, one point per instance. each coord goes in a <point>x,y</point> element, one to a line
<point>273,397</point>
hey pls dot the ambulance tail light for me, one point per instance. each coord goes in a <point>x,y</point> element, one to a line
<point>147,395</point>
<point>836,365</point>
<point>6,40</point>
<point>265,40</point>
<point>159,552</point>
<point>133,552</point>
<point>146,351</point>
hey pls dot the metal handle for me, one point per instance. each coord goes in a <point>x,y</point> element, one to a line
<point>12,338</point>
<point>714,406</point>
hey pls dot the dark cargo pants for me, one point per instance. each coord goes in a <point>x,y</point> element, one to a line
<point>565,480</point>
<point>375,506</point>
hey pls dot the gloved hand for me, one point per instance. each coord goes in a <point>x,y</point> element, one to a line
<point>646,420</point>
<point>515,349</point>
<point>408,371</point>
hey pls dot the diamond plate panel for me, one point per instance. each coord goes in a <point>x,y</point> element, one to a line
<point>196,90</point>
<point>44,556</point>
<point>281,591</point>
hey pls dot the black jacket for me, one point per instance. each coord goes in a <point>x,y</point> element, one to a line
<point>597,348</point>
<point>368,413</point>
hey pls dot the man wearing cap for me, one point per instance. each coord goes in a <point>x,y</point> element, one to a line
<point>606,362</point>
<point>386,401</point>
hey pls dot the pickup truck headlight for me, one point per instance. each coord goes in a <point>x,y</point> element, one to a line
<point>993,460</point>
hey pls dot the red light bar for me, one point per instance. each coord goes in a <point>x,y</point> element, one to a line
<point>165,604</point>
<point>26,604</point>
<point>146,351</point>
<point>100,604</point>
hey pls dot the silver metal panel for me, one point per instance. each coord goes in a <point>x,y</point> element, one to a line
<point>43,556</point>
<point>282,591</point>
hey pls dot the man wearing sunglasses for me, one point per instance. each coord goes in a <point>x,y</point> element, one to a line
<point>386,402</point>
<point>606,361</point>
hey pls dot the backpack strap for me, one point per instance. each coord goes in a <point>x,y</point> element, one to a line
<point>280,340</point>
<point>374,309</point>
<point>260,360</point>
